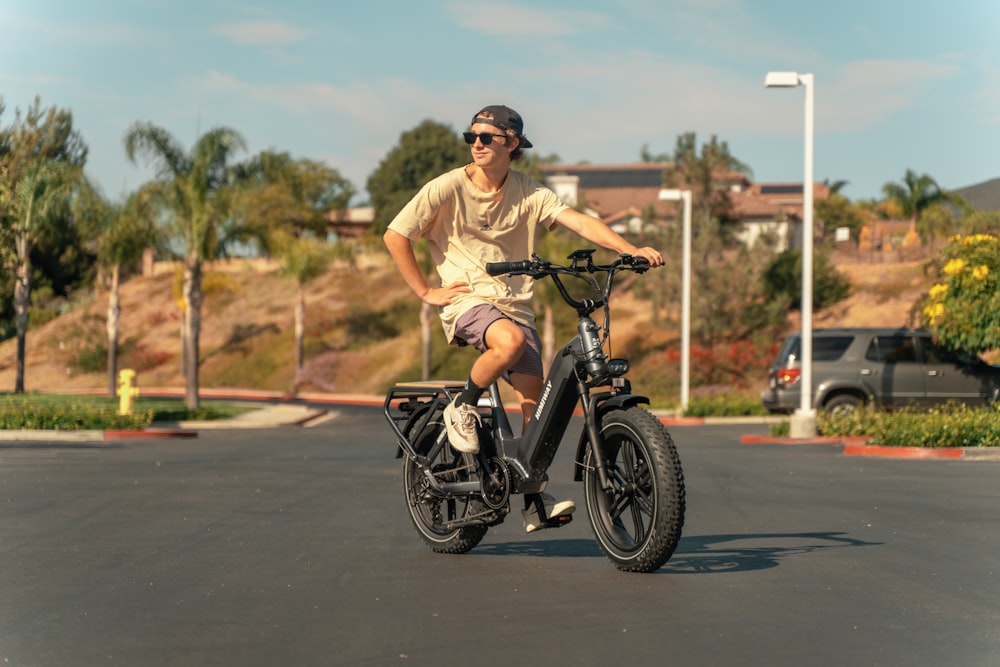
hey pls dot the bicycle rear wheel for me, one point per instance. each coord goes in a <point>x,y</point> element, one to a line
<point>638,522</point>
<point>431,514</point>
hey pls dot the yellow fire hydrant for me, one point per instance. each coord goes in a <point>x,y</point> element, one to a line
<point>128,391</point>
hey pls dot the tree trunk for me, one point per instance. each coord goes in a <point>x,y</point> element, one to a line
<point>300,328</point>
<point>22,301</point>
<point>114,314</point>
<point>193,299</point>
<point>426,318</point>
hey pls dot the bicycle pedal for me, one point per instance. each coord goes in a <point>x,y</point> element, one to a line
<point>559,521</point>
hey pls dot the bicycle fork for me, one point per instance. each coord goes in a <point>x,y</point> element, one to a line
<point>596,442</point>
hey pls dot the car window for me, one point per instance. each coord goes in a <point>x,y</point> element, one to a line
<point>892,349</point>
<point>789,352</point>
<point>936,354</point>
<point>830,348</point>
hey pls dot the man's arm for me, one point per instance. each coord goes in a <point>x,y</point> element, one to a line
<point>597,232</point>
<point>401,250</point>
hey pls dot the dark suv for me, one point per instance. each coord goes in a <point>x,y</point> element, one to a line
<point>882,368</point>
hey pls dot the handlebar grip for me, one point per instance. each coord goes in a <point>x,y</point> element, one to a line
<point>500,268</point>
<point>640,264</point>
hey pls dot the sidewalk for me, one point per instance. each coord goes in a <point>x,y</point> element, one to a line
<point>282,412</point>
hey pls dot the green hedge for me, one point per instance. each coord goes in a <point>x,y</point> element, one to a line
<point>950,426</point>
<point>726,405</point>
<point>71,412</point>
<point>84,415</point>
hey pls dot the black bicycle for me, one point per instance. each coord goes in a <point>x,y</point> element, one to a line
<point>626,459</point>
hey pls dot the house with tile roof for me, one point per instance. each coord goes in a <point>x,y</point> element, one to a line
<point>619,194</point>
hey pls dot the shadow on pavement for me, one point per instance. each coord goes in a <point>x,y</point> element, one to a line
<point>755,551</point>
<point>703,554</point>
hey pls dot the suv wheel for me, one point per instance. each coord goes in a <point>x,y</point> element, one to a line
<point>843,404</point>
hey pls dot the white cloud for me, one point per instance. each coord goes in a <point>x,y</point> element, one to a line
<point>260,33</point>
<point>523,21</point>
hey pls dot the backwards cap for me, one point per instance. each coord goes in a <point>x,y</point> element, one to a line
<point>504,118</point>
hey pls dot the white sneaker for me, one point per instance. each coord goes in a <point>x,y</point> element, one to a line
<point>462,422</point>
<point>560,510</point>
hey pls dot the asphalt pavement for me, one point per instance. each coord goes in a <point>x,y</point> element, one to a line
<point>290,545</point>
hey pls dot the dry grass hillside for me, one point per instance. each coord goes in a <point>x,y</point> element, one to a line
<point>247,335</point>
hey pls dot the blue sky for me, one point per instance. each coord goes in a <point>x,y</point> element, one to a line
<point>898,85</point>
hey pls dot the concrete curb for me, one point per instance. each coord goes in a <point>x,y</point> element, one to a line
<point>54,435</point>
<point>858,446</point>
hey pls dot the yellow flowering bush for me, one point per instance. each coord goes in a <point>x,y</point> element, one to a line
<point>963,308</point>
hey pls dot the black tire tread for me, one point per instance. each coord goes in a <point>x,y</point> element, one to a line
<point>669,520</point>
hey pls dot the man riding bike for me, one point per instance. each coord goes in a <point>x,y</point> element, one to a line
<point>487,212</point>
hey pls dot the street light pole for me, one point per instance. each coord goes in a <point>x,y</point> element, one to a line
<point>803,423</point>
<point>685,197</point>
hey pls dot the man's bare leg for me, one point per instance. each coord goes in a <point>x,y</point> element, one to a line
<point>527,388</point>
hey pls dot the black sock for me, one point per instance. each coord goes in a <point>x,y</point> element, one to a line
<point>470,394</point>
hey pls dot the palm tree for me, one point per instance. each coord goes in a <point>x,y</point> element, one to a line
<point>40,198</point>
<point>194,190</point>
<point>121,233</point>
<point>303,259</point>
<point>914,194</point>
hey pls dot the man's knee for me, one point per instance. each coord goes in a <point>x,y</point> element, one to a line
<point>506,338</point>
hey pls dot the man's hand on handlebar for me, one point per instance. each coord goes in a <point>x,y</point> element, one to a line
<point>442,296</point>
<point>652,255</point>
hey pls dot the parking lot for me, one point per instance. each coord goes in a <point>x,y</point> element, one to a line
<point>291,546</point>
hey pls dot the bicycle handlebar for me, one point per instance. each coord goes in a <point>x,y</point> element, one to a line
<point>538,267</point>
<point>581,266</point>
<point>514,268</point>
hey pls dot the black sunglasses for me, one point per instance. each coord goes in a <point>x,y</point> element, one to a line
<point>485,137</point>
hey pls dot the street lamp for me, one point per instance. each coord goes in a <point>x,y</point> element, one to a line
<point>684,196</point>
<point>803,422</point>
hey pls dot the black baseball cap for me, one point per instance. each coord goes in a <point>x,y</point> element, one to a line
<point>504,118</point>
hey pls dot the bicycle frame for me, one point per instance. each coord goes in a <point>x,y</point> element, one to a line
<point>579,367</point>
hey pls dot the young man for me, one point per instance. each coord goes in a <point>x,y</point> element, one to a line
<point>486,212</point>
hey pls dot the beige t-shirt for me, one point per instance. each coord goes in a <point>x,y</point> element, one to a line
<point>466,228</point>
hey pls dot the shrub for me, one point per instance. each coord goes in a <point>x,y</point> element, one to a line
<point>19,413</point>
<point>725,405</point>
<point>953,425</point>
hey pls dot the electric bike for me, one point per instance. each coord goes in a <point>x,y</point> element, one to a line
<point>632,478</point>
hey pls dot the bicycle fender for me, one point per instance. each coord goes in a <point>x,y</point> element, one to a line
<point>602,403</point>
<point>410,421</point>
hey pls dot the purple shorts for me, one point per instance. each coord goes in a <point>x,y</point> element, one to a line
<point>471,330</point>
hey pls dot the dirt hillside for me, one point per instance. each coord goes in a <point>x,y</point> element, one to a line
<point>248,341</point>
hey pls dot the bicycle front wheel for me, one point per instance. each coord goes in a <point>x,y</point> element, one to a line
<point>638,521</point>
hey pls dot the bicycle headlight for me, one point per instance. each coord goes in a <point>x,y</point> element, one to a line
<point>618,367</point>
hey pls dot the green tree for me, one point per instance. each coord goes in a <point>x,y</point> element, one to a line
<point>57,261</point>
<point>196,192</point>
<point>426,151</point>
<point>837,211</point>
<point>303,259</point>
<point>963,307</point>
<point>705,173</point>
<point>121,232</point>
<point>936,221</point>
<point>914,194</point>
<point>41,197</point>
<point>783,280</point>
<point>284,194</point>
<point>981,222</point>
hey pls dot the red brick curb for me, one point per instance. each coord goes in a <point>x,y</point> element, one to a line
<point>904,452</point>
<point>122,434</point>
